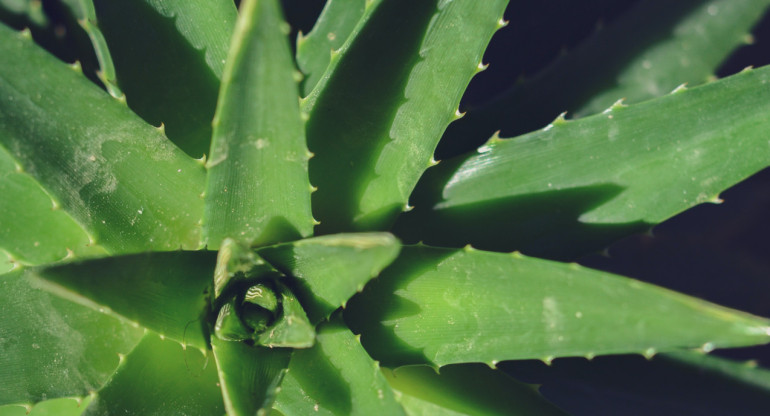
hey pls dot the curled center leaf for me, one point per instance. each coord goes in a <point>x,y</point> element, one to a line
<point>254,305</point>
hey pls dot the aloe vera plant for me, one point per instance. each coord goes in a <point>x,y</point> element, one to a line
<point>199,218</point>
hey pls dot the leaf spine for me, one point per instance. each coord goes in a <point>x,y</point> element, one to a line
<point>25,34</point>
<point>77,67</point>
<point>747,69</point>
<point>615,106</point>
<point>649,353</point>
<point>748,39</point>
<point>301,38</point>
<point>561,119</point>
<point>680,88</point>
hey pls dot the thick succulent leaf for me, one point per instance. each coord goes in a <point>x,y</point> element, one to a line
<point>292,329</point>
<point>651,49</point>
<point>575,186</point>
<point>51,347</point>
<point>335,377</point>
<point>124,182</point>
<point>169,56</point>
<point>401,77</point>
<point>56,407</point>
<point>85,14</point>
<point>33,230</point>
<point>258,190</point>
<point>469,389</point>
<point>328,270</point>
<point>331,30</point>
<point>249,376</point>
<point>442,306</point>
<point>670,384</point>
<point>165,292</point>
<point>237,262</point>
<point>160,378</point>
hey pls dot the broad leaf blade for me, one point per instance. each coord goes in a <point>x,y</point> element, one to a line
<point>648,51</point>
<point>444,306</point>
<point>258,190</point>
<point>331,30</point>
<point>52,347</point>
<point>465,389</point>
<point>164,292</point>
<point>122,180</point>
<point>401,85</point>
<point>249,376</point>
<point>335,377</point>
<point>575,186</point>
<point>32,229</point>
<point>159,377</point>
<point>328,270</point>
<point>188,41</point>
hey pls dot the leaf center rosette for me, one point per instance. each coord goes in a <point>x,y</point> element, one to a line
<point>253,304</point>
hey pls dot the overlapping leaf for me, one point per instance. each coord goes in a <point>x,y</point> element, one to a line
<point>335,377</point>
<point>258,190</point>
<point>52,347</point>
<point>574,186</point>
<point>122,180</point>
<point>328,270</point>
<point>442,306</point>
<point>401,85</point>
<point>165,292</point>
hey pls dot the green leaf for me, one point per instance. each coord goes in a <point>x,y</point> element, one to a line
<point>85,14</point>
<point>258,190</point>
<point>473,389</point>
<point>401,85</point>
<point>33,230</point>
<point>292,329</point>
<point>160,377</point>
<point>652,48</point>
<point>237,262</point>
<point>331,30</point>
<point>188,41</point>
<point>575,186</point>
<point>249,376</point>
<point>442,306</point>
<point>57,407</point>
<point>125,183</point>
<point>328,270</point>
<point>165,292</point>
<point>50,347</point>
<point>335,377</point>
